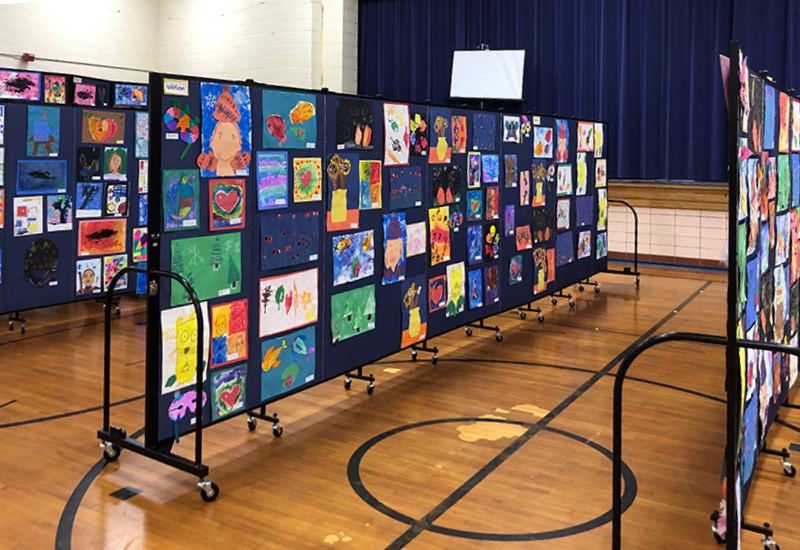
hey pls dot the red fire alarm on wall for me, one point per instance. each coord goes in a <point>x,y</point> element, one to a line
<point>28,57</point>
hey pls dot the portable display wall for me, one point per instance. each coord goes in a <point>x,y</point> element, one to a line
<point>73,186</point>
<point>293,213</point>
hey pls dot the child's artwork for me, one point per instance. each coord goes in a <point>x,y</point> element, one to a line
<point>41,176</point>
<point>272,169</point>
<point>97,237</point>
<point>769,117</point>
<point>2,209</point>
<point>143,209</point>
<point>405,187</point>
<point>289,238</point>
<point>369,185</point>
<point>784,182</point>
<point>28,216</point>
<point>483,131</point>
<point>440,149</point>
<point>228,391</point>
<point>542,224</point>
<point>795,126</point>
<point>475,287</point>
<point>585,136</point>
<point>523,238</point>
<point>584,244</point>
<point>512,170</point>
<point>89,160</point>
<point>490,168</point>
<point>102,127</point>
<point>352,313</point>
<point>474,205</point>
<point>115,164</point>
<point>439,221</point>
<point>111,266</point>
<point>55,89</point>
<point>491,241</point>
<point>416,239</point>
<point>525,128</point>
<point>474,244</point>
<point>85,94</point>
<point>212,265</point>
<point>756,131</point>
<point>509,221</point>
<point>59,213</point>
<point>602,209</point>
<point>543,269</point>
<point>563,214</point>
<point>492,280</point>
<point>473,170</point>
<point>139,245</point>
<point>459,134</point>
<point>584,211</point>
<point>525,189</point>
<point>565,249</point>
<point>446,185</point>
<point>40,264</point>
<point>142,135</point>
<point>437,293</point>
<point>88,199</point>
<point>87,272</point>
<point>182,125</point>
<point>44,131</point>
<point>226,130</point>
<point>599,139</point>
<point>419,134</point>
<point>581,187</point>
<point>415,313</point>
<point>288,301</point>
<point>307,179</point>
<point>396,132</point>
<point>288,362</point>
<point>19,85</point>
<point>181,195</point>
<point>179,338</point>
<point>229,333</point>
<point>493,202</point>
<point>783,132</point>
<point>602,245</point>
<point>564,180</point>
<point>600,173</point>
<point>562,142</point>
<point>290,120</point>
<point>2,164</point>
<point>394,247</point>
<point>354,124</point>
<point>116,205</point>
<point>540,174</point>
<point>456,218</point>
<point>515,270</point>
<point>343,191</point>
<point>226,200</point>
<point>511,129</point>
<point>456,289</point>
<point>795,180</point>
<point>783,238</point>
<point>130,95</point>
<point>542,142</point>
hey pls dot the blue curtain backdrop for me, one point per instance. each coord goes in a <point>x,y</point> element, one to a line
<point>650,68</point>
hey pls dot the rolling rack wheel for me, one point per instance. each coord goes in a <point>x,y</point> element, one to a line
<point>540,317</point>
<point>11,325</point>
<point>571,302</point>
<point>636,281</point>
<point>597,290</point>
<point>251,423</point>
<point>714,518</point>
<point>277,430</point>
<point>580,288</point>
<point>111,452</point>
<point>769,544</point>
<point>347,382</point>
<point>209,491</point>
<point>498,337</point>
<point>435,359</point>
<point>553,301</point>
<point>788,468</point>
<point>522,315</point>
<point>117,311</point>
<point>468,331</point>
<point>371,388</point>
<point>413,355</point>
<point>22,329</point>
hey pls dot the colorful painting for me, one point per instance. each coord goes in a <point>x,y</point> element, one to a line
<point>541,175</point>
<point>307,179</point>
<point>89,160</point>
<point>288,362</point>
<point>795,180</point>
<point>599,140</point>
<point>212,264</point>
<point>40,264</point>
<point>139,245</point>
<point>59,213</point>
<point>226,130</point>
<point>419,134</point>
<point>515,270</point>
<point>512,170</point>
<point>491,241</point>
<point>491,278</point>
<point>96,237</point>
<point>288,301</point>
<point>102,127</point>
<point>769,117</point>
<point>490,168</point>
<point>272,169</point>
<point>525,188</point>
<point>179,338</point>
<point>565,249</point>
<point>41,176</point>
<point>784,182</point>
<point>511,129</point>
<point>87,275</point>
<point>783,131</point>
<point>756,131</point>
<point>584,211</point>
<point>440,146</point>
<point>437,293</point>
<point>44,131</point>
<point>290,120</point>
<point>474,205</point>
<point>600,173</point>
<point>584,244</point>
<point>111,266</point>
<point>543,269</point>
<point>602,245</point>
<point>130,95</point>
<point>439,220</point>
<point>523,238</point>
<point>142,135</point>
<point>55,89</point>
<point>289,239</point>
<point>226,199</point>
<point>456,289</point>
<point>581,187</point>
<point>354,124</point>
<point>181,190</point>
<point>459,134</point>
<point>396,132</point>
<point>89,199</point>
<point>542,224</point>
<point>116,203</point>
<point>2,210</point>
<point>542,142</point>
<point>795,137</point>
<point>343,192</point>
<point>493,202</point>
<point>394,247</point>
<point>416,239</point>
<point>585,136</point>
<point>229,333</point>
<point>474,244</point>
<point>509,220</point>
<point>473,170</point>
<point>19,85</point>
<point>456,218</point>
<point>85,94</point>
<point>415,315</point>
<point>405,187</point>
<point>475,287</point>
<point>483,131</point>
<point>143,209</point>
<point>562,140</point>
<point>352,313</point>
<point>446,185</point>
<point>564,180</point>
<point>563,214</point>
<point>602,209</point>
<point>228,391</point>
<point>369,184</point>
<point>181,125</point>
<point>115,164</point>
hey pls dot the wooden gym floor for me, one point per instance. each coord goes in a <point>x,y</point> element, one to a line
<point>439,457</point>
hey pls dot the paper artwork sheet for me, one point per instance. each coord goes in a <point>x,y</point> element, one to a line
<point>414,292</point>
<point>226,198</point>
<point>272,169</point>
<point>440,146</point>
<point>343,192</point>
<point>44,131</point>
<point>515,270</point>
<point>585,136</point>
<point>542,142</point>
<point>28,216</point>
<point>370,186</point>
<point>179,338</point>
<point>88,272</point>
<point>111,266</point>
<point>511,129</point>
<point>229,333</point>
<point>227,129</point>
<point>36,177</point>
<point>484,127</point>
<point>397,134</point>
<point>212,264</point>
<point>352,313</point>
<point>417,238</point>
<point>55,89</point>
<point>405,187</point>
<point>290,120</point>
<point>102,127</point>
<point>19,85</point>
<point>59,213</point>
<point>394,247</point>
<point>439,221</point>
<point>473,170</point>
<point>288,301</point>
<point>228,391</point>
<point>289,239</point>
<point>456,289</point>
<point>105,236</point>
<point>354,124</point>
<point>491,278</point>
<point>459,131</point>
<point>475,288</point>
<point>181,192</point>
<point>419,133</point>
<point>353,257</point>
<point>446,185</point>
<point>288,362</point>
<point>307,179</point>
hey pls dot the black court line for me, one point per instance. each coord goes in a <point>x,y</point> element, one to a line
<point>67,414</point>
<point>59,331</point>
<point>7,404</point>
<point>427,521</point>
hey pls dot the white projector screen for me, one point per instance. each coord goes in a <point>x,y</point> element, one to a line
<point>486,74</point>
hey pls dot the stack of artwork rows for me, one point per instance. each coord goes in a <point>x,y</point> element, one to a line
<point>323,232</point>
<point>73,187</point>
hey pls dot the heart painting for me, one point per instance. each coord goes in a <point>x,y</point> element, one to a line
<point>227,198</point>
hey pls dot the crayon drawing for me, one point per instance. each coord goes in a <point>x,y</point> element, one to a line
<point>584,244</point>
<point>272,169</point>
<point>227,207</point>
<point>290,120</point>
<point>229,333</point>
<point>405,187</point>
<point>289,238</point>
<point>212,264</point>
<point>459,134</point>
<point>352,313</point>
<point>97,237</point>
<point>307,179</point>
<point>288,301</point>
<point>288,362</point>
<point>440,150</point>
<point>370,185</point>
<point>181,190</point>
<point>473,170</point>
<point>437,293</point>
<point>483,131</point>
<point>439,220</point>
<point>179,338</point>
<point>515,270</point>
<point>228,391</point>
<point>226,130</point>
<point>343,192</point>
<point>394,247</point>
<point>419,134</point>
<point>474,244</point>
<point>456,289</point>
<point>396,131</point>
<point>416,239</point>
<point>87,277</point>
<point>413,293</point>
<point>475,288</point>
<point>563,214</point>
<point>44,131</point>
<point>492,281</point>
<point>354,124</point>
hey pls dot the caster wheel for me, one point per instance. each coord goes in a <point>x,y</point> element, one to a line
<point>541,318</point>
<point>277,430</point>
<point>347,383</point>
<point>718,538</point>
<point>111,453</point>
<point>413,355</point>
<point>597,290</point>
<point>11,325</point>
<point>790,472</point>
<point>580,287</point>
<point>636,281</point>
<point>553,301</point>
<point>571,303</point>
<point>522,315</point>
<point>435,359</point>
<point>370,388</point>
<point>251,424</point>
<point>468,331</point>
<point>22,329</point>
<point>117,311</point>
<point>715,516</point>
<point>210,495</point>
<point>498,337</point>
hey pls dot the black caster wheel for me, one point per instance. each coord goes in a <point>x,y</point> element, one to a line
<point>597,290</point>
<point>117,311</point>
<point>435,359</point>
<point>715,516</point>
<point>718,538</point>
<point>790,472</point>
<point>498,337</point>
<point>251,424</point>
<point>571,303</point>
<point>636,281</point>
<point>347,383</point>
<point>277,430</point>
<point>541,318</point>
<point>468,331</point>
<point>211,494</point>
<point>580,287</point>
<point>413,355</point>
<point>22,329</point>
<point>11,325</point>
<point>523,315</point>
<point>553,301</point>
<point>111,453</point>
<point>370,388</point>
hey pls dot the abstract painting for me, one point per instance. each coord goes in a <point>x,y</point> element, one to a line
<point>272,169</point>
<point>563,214</point>
<point>227,129</point>
<point>288,362</point>
<point>229,333</point>
<point>565,249</point>
<point>581,187</point>
<point>396,133</point>
<point>419,134</point>
<point>440,149</point>
<point>55,89</point>
<point>483,131</point>
<point>525,188</point>
<point>394,247</point>
<point>87,272</point>
<point>102,127</point>
<point>96,237</point>
<point>289,239</point>
<point>509,221</point>
<point>41,176</point>
<point>288,301</point>
<point>354,124</point>
<point>19,85</point>
<point>405,187</point>
<point>490,168</point>
<point>111,266</point>
<point>600,173</point>
<point>59,213</point>
<point>40,264</point>
<point>226,199</point>
<point>116,204</point>
<point>542,142</point>
<point>515,270</point>
<point>44,131</point>
<point>491,278</point>
<point>212,264</point>
<point>459,131</point>
<point>512,170</point>
<point>85,94</point>
<point>474,205</point>
<point>142,135</point>
<point>584,244</point>
<point>139,245</point>
<point>584,211</point>
<point>564,180</point>
<point>493,202</point>
<point>523,238</point>
<point>352,313</point>
<point>89,160</point>
<point>437,293</point>
<point>511,129</point>
<point>290,120</point>
<point>475,288</point>
<point>439,220</point>
<point>491,241</point>
<point>456,289</point>
<point>143,209</point>
<point>602,245</point>
<point>179,338</point>
<point>446,185</point>
<point>181,190</point>
<point>585,136</point>
<point>474,244</point>
<point>228,391</point>
<point>88,199</point>
<point>369,181</point>
<point>473,170</point>
<point>130,95</point>
<point>343,191</point>
<point>307,179</point>
<point>414,325</point>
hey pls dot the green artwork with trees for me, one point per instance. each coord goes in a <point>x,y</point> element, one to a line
<point>211,264</point>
